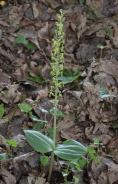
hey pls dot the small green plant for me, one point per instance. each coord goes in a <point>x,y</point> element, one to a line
<point>81,1</point>
<point>97,142</point>
<point>27,108</point>
<point>36,79</point>
<point>91,153</point>
<point>12,142</point>
<point>115,124</point>
<point>44,160</point>
<point>103,93</point>
<point>3,156</point>
<point>70,149</point>
<point>2,110</point>
<point>101,47</point>
<point>69,78</point>
<point>109,30</point>
<point>74,166</point>
<point>21,40</point>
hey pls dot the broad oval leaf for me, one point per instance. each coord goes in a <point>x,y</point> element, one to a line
<point>38,141</point>
<point>103,93</point>
<point>35,79</point>
<point>44,110</point>
<point>58,112</point>
<point>70,150</point>
<point>68,79</point>
<point>2,110</point>
<point>81,1</point>
<point>34,118</point>
<point>25,107</point>
<point>3,156</point>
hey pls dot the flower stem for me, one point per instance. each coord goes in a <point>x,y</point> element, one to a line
<point>54,135</point>
<point>51,166</point>
<point>57,70</point>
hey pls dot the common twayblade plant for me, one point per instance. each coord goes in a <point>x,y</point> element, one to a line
<point>70,149</point>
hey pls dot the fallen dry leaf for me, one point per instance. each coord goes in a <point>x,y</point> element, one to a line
<point>7,176</point>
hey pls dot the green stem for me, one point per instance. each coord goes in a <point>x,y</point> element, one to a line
<point>51,165</point>
<point>54,135</point>
<point>101,54</point>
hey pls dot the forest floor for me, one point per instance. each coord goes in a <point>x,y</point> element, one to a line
<point>89,96</point>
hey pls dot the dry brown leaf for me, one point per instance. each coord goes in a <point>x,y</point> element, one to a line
<point>66,123</point>
<point>35,180</point>
<point>16,15</point>
<point>103,79</point>
<point>28,33</point>
<point>36,43</point>
<point>7,55</point>
<point>113,143</point>
<point>92,115</point>
<point>21,72</point>
<point>42,93</point>
<point>7,176</point>
<point>103,128</point>
<point>37,11</point>
<point>104,138</point>
<point>113,173</point>
<point>103,178</point>
<point>67,134</point>
<point>12,95</point>
<point>112,170</point>
<point>42,32</point>
<point>78,19</point>
<point>4,79</point>
<point>53,4</point>
<point>109,67</point>
<point>46,72</point>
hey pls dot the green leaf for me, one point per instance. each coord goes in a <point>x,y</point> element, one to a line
<point>91,152</point>
<point>65,172</point>
<point>38,126</point>
<point>58,112</point>
<point>82,162</point>
<point>2,110</point>
<point>70,149</point>
<point>30,46</point>
<point>66,182</point>
<point>38,141</point>
<point>109,30</point>
<point>76,180</point>
<point>44,110</point>
<point>103,93</point>
<point>74,161</point>
<point>50,132</point>
<point>25,107</point>
<point>81,1</point>
<point>96,141</point>
<point>68,79</point>
<point>34,118</point>
<point>101,47</point>
<point>3,156</point>
<point>21,40</point>
<point>4,121</point>
<point>44,160</point>
<point>35,79</point>
<point>115,124</point>
<point>12,142</point>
